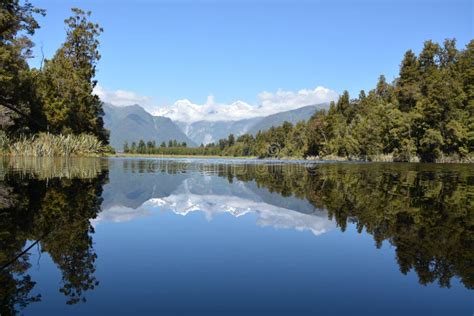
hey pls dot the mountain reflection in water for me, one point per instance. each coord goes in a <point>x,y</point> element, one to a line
<point>424,211</point>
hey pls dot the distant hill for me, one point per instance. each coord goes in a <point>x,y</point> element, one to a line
<point>132,123</point>
<point>207,132</point>
<point>293,116</point>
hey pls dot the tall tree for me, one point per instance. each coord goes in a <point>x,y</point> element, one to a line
<point>408,91</point>
<point>68,81</point>
<point>20,110</point>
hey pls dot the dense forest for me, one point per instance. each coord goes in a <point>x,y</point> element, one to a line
<point>56,99</point>
<point>426,114</point>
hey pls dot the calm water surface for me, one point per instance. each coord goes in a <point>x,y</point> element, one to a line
<point>197,237</point>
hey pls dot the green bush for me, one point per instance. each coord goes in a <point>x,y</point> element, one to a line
<point>49,145</point>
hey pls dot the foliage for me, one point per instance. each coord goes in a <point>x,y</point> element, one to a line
<point>423,213</point>
<point>58,97</point>
<point>50,211</point>
<point>17,81</point>
<point>50,145</point>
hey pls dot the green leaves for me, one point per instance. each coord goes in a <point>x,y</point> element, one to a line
<point>428,111</point>
<point>68,81</point>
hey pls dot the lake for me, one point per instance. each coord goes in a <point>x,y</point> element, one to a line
<point>235,237</point>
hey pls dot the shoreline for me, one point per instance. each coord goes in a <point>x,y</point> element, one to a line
<point>331,159</point>
<point>326,159</point>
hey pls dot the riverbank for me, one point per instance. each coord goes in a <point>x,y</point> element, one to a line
<point>331,158</point>
<point>123,155</point>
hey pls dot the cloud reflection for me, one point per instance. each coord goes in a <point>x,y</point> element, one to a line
<point>213,196</point>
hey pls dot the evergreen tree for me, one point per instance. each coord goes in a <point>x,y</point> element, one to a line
<point>68,81</point>
<point>408,89</point>
<point>141,149</point>
<point>231,140</point>
<point>20,110</point>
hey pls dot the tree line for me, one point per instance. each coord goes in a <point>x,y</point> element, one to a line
<point>426,114</point>
<point>58,97</point>
<point>150,146</point>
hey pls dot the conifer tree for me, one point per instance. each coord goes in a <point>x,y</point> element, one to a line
<point>69,79</point>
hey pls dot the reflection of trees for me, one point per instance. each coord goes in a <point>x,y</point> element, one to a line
<point>56,212</point>
<point>426,212</point>
<point>47,168</point>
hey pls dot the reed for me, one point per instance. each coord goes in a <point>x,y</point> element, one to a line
<point>45,168</point>
<point>49,145</point>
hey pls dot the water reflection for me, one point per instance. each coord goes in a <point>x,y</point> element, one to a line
<point>424,211</point>
<point>209,188</point>
<point>51,210</point>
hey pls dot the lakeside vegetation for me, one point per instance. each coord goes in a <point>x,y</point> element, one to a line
<point>426,114</point>
<point>50,145</point>
<point>50,111</point>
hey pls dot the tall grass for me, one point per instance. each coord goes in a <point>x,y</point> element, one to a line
<point>48,168</point>
<point>49,145</point>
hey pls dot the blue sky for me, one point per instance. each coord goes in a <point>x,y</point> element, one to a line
<point>169,50</point>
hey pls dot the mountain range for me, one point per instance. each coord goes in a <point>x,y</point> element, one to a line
<point>132,123</point>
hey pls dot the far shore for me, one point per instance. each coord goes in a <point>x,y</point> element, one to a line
<point>381,158</point>
<point>179,156</point>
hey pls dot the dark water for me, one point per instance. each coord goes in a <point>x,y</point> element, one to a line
<point>137,237</point>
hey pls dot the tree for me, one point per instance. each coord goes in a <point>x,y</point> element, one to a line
<point>68,81</point>
<point>466,70</point>
<point>20,110</point>
<point>317,133</point>
<point>150,146</point>
<point>407,85</point>
<point>141,149</point>
<point>126,149</point>
<point>343,105</point>
<point>231,140</point>
<point>163,144</point>
<point>383,89</point>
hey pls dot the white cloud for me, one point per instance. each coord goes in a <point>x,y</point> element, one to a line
<point>123,98</point>
<point>187,111</point>
<point>287,100</point>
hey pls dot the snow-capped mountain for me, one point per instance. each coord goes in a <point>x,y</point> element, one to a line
<point>205,131</point>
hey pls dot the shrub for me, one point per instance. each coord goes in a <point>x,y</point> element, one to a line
<point>49,145</point>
